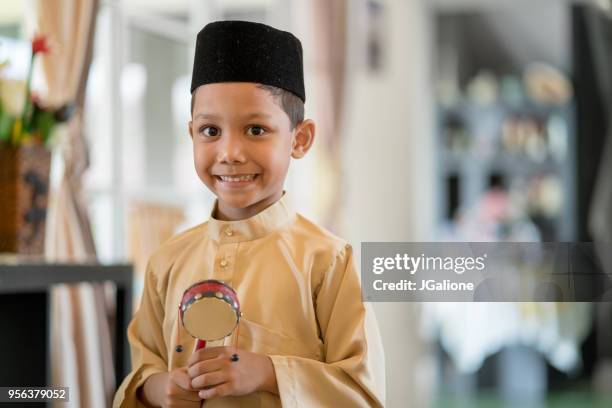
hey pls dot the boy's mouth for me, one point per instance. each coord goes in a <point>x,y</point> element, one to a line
<point>238,179</point>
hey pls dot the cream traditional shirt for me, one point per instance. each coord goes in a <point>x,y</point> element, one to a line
<point>300,297</point>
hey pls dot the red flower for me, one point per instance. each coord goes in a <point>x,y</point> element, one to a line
<point>40,44</point>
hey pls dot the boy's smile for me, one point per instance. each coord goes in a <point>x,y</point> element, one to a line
<point>242,145</point>
<point>229,180</point>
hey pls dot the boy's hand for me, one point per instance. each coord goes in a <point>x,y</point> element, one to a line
<point>171,390</point>
<point>214,373</point>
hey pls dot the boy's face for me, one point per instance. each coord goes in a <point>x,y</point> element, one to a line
<point>242,146</point>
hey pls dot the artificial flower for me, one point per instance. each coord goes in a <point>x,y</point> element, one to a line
<point>40,44</point>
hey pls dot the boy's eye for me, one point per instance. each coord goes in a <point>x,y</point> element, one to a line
<point>210,131</point>
<point>256,131</point>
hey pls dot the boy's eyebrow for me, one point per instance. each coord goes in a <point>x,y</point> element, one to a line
<point>257,115</point>
<point>206,116</point>
<point>249,116</point>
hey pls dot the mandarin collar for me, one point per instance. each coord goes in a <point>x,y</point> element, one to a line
<point>271,219</point>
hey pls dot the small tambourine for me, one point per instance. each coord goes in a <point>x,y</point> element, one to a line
<point>209,310</point>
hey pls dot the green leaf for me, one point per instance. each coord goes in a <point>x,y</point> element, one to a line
<point>6,126</point>
<point>43,122</point>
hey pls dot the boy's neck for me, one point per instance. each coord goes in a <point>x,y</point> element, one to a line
<point>227,213</point>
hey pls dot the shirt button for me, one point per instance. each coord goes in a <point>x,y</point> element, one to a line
<point>223,263</point>
<point>229,232</point>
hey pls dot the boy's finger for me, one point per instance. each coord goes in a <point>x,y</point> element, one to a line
<point>205,354</point>
<point>206,366</point>
<point>181,379</point>
<point>190,397</point>
<point>209,379</point>
<point>218,391</point>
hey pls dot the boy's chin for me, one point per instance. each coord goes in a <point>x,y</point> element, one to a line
<point>238,201</point>
<point>247,202</point>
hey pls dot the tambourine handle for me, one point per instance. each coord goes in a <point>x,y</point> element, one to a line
<point>200,344</point>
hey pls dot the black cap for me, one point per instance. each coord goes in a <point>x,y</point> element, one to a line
<point>242,51</point>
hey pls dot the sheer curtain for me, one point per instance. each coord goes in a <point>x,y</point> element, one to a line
<point>81,356</point>
<point>321,26</point>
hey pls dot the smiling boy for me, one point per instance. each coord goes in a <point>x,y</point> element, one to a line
<point>305,339</point>
<point>243,142</point>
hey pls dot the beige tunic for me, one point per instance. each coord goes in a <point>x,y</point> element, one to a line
<point>301,301</point>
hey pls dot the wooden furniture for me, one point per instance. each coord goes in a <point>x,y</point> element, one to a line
<point>25,324</point>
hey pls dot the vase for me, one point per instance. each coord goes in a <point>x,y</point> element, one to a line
<point>24,186</point>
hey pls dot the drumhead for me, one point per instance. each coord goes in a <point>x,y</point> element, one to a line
<point>210,318</point>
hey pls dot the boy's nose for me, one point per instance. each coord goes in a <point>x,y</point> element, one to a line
<point>232,150</point>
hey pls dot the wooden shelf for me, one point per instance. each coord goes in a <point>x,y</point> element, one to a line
<point>25,284</point>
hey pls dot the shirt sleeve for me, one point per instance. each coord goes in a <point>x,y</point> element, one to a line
<point>146,344</point>
<point>353,373</point>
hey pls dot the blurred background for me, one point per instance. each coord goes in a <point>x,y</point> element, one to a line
<point>438,120</point>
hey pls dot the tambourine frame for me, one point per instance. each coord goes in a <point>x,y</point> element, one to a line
<point>225,293</point>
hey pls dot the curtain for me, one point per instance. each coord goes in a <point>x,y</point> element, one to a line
<point>330,40</point>
<point>81,355</point>
<point>322,28</point>
<point>149,225</point>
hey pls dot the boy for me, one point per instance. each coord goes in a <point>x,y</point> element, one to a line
<point>305,338</point>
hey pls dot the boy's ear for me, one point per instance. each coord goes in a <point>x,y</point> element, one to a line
<point>303,139</point>
<point>190,126</point>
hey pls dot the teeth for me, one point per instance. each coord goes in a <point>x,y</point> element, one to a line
<point>234,179</point>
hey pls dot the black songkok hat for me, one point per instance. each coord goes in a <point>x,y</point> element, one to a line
<point>241,51</point>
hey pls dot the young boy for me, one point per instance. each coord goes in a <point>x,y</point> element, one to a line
<point>305,339</point>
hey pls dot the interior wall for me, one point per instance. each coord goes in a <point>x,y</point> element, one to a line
<point>389,173</point>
